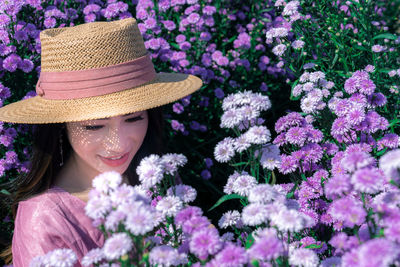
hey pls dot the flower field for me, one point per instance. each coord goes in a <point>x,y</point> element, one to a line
<point>289,153</point>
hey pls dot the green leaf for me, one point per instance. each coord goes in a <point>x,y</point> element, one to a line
<point>315,246</point>
<point>225,198</point>
<point>249,241</point>
<point>5,192</point>
<point>174,45</point>
<point>255,263</point>
<point>385,36</point>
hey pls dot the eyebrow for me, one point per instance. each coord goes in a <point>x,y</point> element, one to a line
<point>126,115</point>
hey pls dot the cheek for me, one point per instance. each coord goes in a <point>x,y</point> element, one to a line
<point>81,142</point>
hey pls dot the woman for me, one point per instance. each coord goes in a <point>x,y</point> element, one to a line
<point>97,110</point>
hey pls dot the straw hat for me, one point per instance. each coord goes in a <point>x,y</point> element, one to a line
<point>96,70</point>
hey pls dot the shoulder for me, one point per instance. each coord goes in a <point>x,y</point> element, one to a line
<point>43,204</point>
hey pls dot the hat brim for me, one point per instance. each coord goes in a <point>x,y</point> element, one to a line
<point>166,88</point>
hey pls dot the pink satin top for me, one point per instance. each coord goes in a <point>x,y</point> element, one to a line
<point>51,220</point>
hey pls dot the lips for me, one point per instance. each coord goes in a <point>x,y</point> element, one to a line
<point>115,161</point>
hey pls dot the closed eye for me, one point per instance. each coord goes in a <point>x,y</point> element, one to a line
<point>93,127</point>
<point>133,119</point>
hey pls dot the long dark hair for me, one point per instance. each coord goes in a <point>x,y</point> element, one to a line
<point>46,158</point>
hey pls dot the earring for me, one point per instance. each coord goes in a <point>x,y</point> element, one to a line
<point>61,150</point>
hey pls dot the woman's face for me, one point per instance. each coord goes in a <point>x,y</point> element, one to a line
<point>107,144</point>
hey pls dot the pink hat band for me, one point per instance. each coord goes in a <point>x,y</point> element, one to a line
<point>94,82</point>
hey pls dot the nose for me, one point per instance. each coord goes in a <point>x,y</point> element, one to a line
<point>115,141</point>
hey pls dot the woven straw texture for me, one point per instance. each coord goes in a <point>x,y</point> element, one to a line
<point>167,88</point>
<point>91,45</point>
<point>96,45</point>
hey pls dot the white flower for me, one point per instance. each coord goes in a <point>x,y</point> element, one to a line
<point>254,214</point>
<point>169,205</point>
<point>172,161</point>
<point>166,256</point>
<point>124,193</point>
<point>228,188</point>
<point>141,220</point>
<point>185,192</point>
<point>150,171</point>
<point>258,135</point>
<point>117,245</point>
<point>303,257</point>
<point>288,220</point>
<point>390,164</point>
<point>281,32</point>
<point>231,118</point>
<point>241,143</point>
<point>290,8</point>
<point>309,104</point>
<point>298,44</point>
<point>61,258</point>
<point>316,76</point>
<point>304,77</point>
<point>229,218</point>
<point>93,256</point>
<point>297,90</point>
<point>106,181</point>
<point>224,150</point>
<point>262,193</point>
<point>270,158</point>
<point>228,102</point>
<point>279,50</point>
<point>260,102</point>
<point>113,220</point>
<point>248,112</point>
<point>98,207</point>
<point>243,184</point>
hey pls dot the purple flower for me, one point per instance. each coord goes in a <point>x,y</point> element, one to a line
<point>195,224</point>
<point>169,25</point>
<point>26,65</point>
<point>206,174</point>
<point>11,62</point>
<point>390,140</point>
<point>117,245</point>
<point>219,93</point>
<point>185,46</point>
<point>91,8</point>
<point>378,48</point>
<point>150,23</point>
<point>209,10</point>
<point>193,18</point>
<point>266,248</point>
<point>49,22</point>
<point>205,36</point>
<point>351,85</point>
<point>288,164</point>
<point>187,213</point>
<point>4,20</point>
<point>177,126</point>
<point>367,87</point>
<point>385,253</point>
<point>205,242</point>
<point>231,255</point>
<point>296,136</point>
<point>178,108</point>
<point>21,36</point>
<point>348,210</point>
<point>368,180</point>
